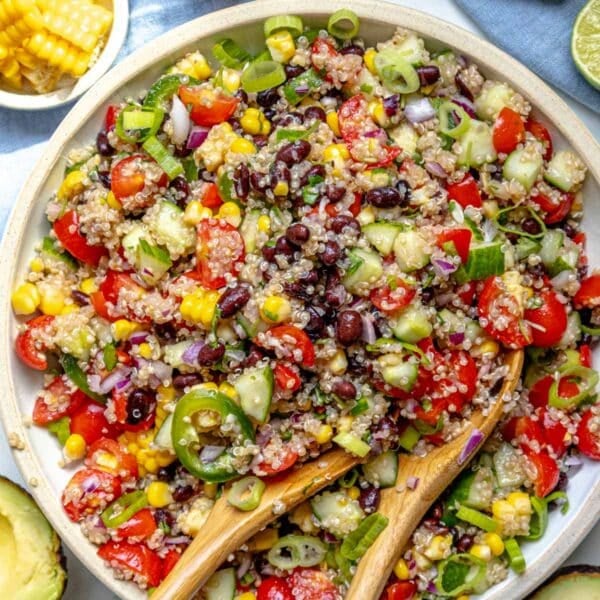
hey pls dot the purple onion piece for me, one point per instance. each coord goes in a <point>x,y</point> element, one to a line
<point>197,136</point>
<point>210,453</point>
<point>443,267</point>
<point>302,89</point>
<point>412,483</point>
<point>368,329</point>
<point>161,370</point>
<point>472,444</point>
<point>428,74</point>
<point>139,337</point>
<point>466,104</point>
<point>432,588</point>
<point>391,104</point>
<point>436,169</point>
<point>190,355</point>
<point>378,134</point>
<point>457,338</point>
<point>419,110</point>
<point>176,540</point>
<point>115,379</point>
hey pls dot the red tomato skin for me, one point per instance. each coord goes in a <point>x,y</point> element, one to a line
<point>274,588</point>
<point>555,213</point>
<point>508,131</point>
<point>467,292</point>
<point>465,192</point>
<point>539,391</point>
<point>302,340</point>
<point>540,132</point>
<point>168,562</point>
<point>127,467</point>
<point>552,316</point>
<point>134,557</point>
<point>403,590</point>
<point>286,377</point>
<point>141,525</point>
<point>99,303</point>
<point>94,487</point>
<point>287,462</point>
<point>89,422</point>
<point>459,238</point>
<point>110,118</point>
<point>548,473</point>
<point>210,196</point>
<point>555,433</point>
<point>208,107</point>
<point>391,301</point>
<point>311,584</point>
<point>588,295</point>
<point>42,415</point>
<point>585,356</point>
<point>25,344</point>
<point>589,441</point>
<point>66,229</point>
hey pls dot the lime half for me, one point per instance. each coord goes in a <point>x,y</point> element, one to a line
<point>585,42</point>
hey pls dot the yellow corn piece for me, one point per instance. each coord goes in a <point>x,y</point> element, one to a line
<point>58,53</point>
<point>149,459</point>
<point>10,70</point>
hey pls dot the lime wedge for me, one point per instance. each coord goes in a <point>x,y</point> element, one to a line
<point>585,42</point>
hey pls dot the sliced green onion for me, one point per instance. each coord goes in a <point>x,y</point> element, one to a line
<point>564,509</point>
<point>454,121</point>
<point>262,56</point>
<point>135,124</point>
<point>264,75</point>
<point>109,355</point>
<point>296,134</point>
<point>343,24</point>
<point>508,219</point>
<point>348,479</point>
<point>122,509</point>
<point>516,560</point>
<point>61,429</point>
<point>163,89</point>
<point>229,54</point>
<point>460,574</point>
<point>426,428</point>
<point>539,520</point>
<point>586,381</point>
<point>477,518</point>
<point>190,169</point>
<point>408,438</point>
<point>362,538</point>
<point>76,374</point>
<point>352,443</point>
<point>397,73</point>
<point>294,551</point>
<point>168,163</point>
<point>246,493</point>
<point>290,23</point>
<point>361,406</point>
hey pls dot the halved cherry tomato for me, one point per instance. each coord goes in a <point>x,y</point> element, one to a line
<point>466,292</point>
<point>89,422</point>
<point>295,339</point>
<point>129,422</point>
<point>88,490</point>
<point>524,430</point>
<point>66,229</point>
<point>287,459</point>
<point>220,250</point>
<point>108,455</point>
<point>110,119</point>
<point>109,291</point>
<point>321,52</point>
<point>459,238</point>
<point>588,295</point>
<point>403,590</point>
<point>287,378</point>
<point>555,211</point>
<point>274,588</point>
<point>141,525</point>
<point>547,472</point>
<point>128,176</point>
<point>209,194</point>
<point>548,321</point>
<point>334,209</point>
<point>539,391</point>
<point>28,349</point>
<point>465,192</point>
<point>540,132</point>
<point>99,303</point>
<point>168,562</point>
<point>508,131</point>
<point>585,356</point>
<point>209,107</point>
<point>393,297</point>
<point>311,584</point>
<point>555,433</point>
<point>588,434</point>
<point>137,558</point>
<point>58,400</point>
<point>503,315</point>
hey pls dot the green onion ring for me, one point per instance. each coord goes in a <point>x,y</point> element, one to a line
<point>261,76</point>
<point>291,23</point>
<point>229,54</point>
<point>343,24</point>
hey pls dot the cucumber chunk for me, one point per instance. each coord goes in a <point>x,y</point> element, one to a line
<point>412,325</point>
<point>493,98</point>
<point>173,353</point>
<point>255,388</point>
<point>555,255</point>
<point>163,439</point>
<point>249,230</point>
<point>508,466</point>
<point>49,249</point>
<point>168,229</point>
<point>397,372</point>
<point>565,170</point>
<point>152,262</point>
<point>352,443</point>
<point>382,470</point>
<point>484,260</point>
<point>131,240</point>
<point>524,166</point>
<point>382,235</point>
<point>471,328</point>
<point>411,250</point>
<point>475,489</point>
<point>221,585</point>
<point>337,513</point>
<point>477,146</point>
<point>365,267</point>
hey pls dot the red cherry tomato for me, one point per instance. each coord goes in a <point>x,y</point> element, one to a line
<point>547,472</point>
<point>555,433</point>
<point>287,377</point>
<point>109,292</point>
<point>585,356</point>
<point>502,314</point>
<point>295,339</point>
<point>209,194</point>
<point>29,349</point>
<point>58,400</point>
<point>465,192</point>
<point>88,490</point>
<point>548,321</point>
<point>588,434</point>
<point>110,119</point>
<point>311,584</point>
<point>539,391</point>
<point>169,561</point>
<point>89,422</point>
<point>98,301</point>
<point>508,131</point>
<point>456,240</point>
<point>209,107</point>
<point>287,459</point>
<point>274,588</point>
<point>556,211</point>
<point>335,209</point>
<point>66,229</point>
<point>540,132</point>
<point>141,525</point>
<point>108,455</point>
<point>588,295</point>
<point>393,297</point>
<point>403,590</point>
<point>524,430</point>
<point>466,292</point>
<point>321,52</point>
<point>220,250</point>
<point>121,400</point>
<point>128,176</point>
<point>136,558</point>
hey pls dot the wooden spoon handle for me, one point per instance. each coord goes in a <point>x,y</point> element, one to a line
<point>228,528</point>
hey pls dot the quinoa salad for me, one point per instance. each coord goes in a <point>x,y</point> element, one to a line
<point>325,244</point>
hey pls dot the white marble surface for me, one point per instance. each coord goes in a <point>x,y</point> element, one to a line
<point>83,584</point>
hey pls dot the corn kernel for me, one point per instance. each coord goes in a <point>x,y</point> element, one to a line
<point>281,46</point>
<point>242,146</point>
<point>377,112</point>
<point>401,570</point>
<point>145,350</point>
<point>264,223</point>
<point>26,299</point>
<point>501,509</point>
<point>366,215</point>
<point>196,212</point>
<point>71,186</point>
<point>338,363</point>
<point>230,212</point>
<point>345,423</point>
<point>521,502</point>
<point>75,447</point>
<point>281,188</point>
<point>88,285</point>
<point>246,596</point>
<point>439,547</point>
<point>494,541</point>
<point>369,59</point>
<point>158,494</point>
<point>52,301</point>
<point>254,122</point>
<point>208,385</point>
<point>276,309</point>
<point>264,540</point>
<point>227,389</point>
<point>336,152</point>
<point>112,201</point>
<point>324,434</point>
<point>334,123</point>
<point>37,265</point>
<point>353,492</point>
<point>68,309</point>
<point>165,394</point>
<point>122,329</point>
<point>489,347</point>
<point>481,551</point>
<point>230,80</point>
<point>151,464</point>
<point>194,65</point>
<point>199,306</point>
<point>464,597</point>
<point>490,209</point>
<point>210,490</point>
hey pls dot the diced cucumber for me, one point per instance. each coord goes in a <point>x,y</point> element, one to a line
<point>471,328</point>
<point>397,372</point>
<point>221,585</point>
<point>382,235</point>
<point>526,246</point>
<point>508,466</point>
<point>412,49</point>
<point>484,260</point>
<point>475,489</point>
<point>49,249</point>
<point>405,137</point>
<point>411,250</point>
<point>572,333</point>
<point>173,353</point>
<point>352,443</point>
<point>337,513</point>
<point>152,262</point>
<point>255,388</point>
<point>78,341</point>
<point>382,470</point>
<point>412,325</point>
<point>477,146</point>
<point>567,261</point>
<point>249,230</point>
<point>565,170</point>
<point>524,166</point>
<point>365,267</point>
<point>131,240</point>
<point>408,438</point>
<point>168,229</point>
<point>492,100</point>
<point>163,439</point>
<point>552,244</point>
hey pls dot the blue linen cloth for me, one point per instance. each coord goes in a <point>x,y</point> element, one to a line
<point>538,33</point>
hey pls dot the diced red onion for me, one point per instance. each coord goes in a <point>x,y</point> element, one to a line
<point>176,540</point>
<point>457,338</point>
<point>190,355</point>
<point>196,137</point>
<point>138,337</point>
<point>412,483</point>
<point>412,564</point>
<point>436,169</point>
<point>161,370</point>
<point>122,385</point>
<point>302,89</point>
<point>244,566</point>
<point>117,377</point>
<point>428,74</point>
<point>419,110</point>
<point>378,134</point>
<point>210,453</point>
<point>391,104</point>
<point>181,121</point>
<point>368,329</point>
<point>472,444</point>
<point>443,267</point>
<point>465,104</point>
<point>432,588</point>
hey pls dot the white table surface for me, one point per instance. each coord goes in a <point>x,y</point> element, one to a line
<point>83,584</point>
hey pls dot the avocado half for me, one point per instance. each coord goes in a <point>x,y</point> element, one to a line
<point>32,566</point>
<point>580,582</point>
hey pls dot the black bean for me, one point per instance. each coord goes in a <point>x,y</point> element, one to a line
<point>404,191</point>
<point>314,113</point>
<point>341,222</point>
<point>297,234</point>
<point>260,141</point>
<point>210,354</point>
<point>427,294</point>
<point>280,173</point>
<point>292,71</point>
<point>181,187</point>
<point>331,254</point>
<point>80,298</point>
<point>348,327</point>
<point>314,171</point>
<point>267,98</point>
<point>309,277</point>
<point>103,145</point>
<point>186,380</point>
<point>344,389</point>
<point>259,181</point>
<point>334,192</point>
<point>283,247</point>
<point>269,253</point>
<point>255,354</point>
<point>104,178</point>
<point>140,403</point>
<point>436,526</point>
<point>168,473</point>
<point>233,299</point>
<point>463,86</point>
<point>531,226</point>
<point>293,153</point>
<point>383,197</point>
<point>181,151</point>
<point>316,322</point>
<point>385,429</point>
<point>287,119</point>
<point>183,493</point>
<point>242,95</point>
<point>164,517</point>
<point>465,542</point>
<point>166,331</point>
<point>241,181</point>
<point>428,74</point>
<point>353,49</point>
<point>437,511</point>
<point>369,499</point>
<point>569,230</point>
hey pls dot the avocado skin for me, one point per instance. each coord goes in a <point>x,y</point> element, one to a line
<point>13,494</point>
<point>577,581</point>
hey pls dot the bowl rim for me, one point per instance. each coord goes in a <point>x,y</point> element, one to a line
<point>170,43</point>
<point>55,98</point>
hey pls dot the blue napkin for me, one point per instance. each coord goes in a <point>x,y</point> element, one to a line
<point>538,33</point>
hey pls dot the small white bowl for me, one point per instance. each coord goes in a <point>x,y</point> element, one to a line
<point>63,95</point>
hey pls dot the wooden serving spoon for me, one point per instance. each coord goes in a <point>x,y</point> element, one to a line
<point>405,507</point>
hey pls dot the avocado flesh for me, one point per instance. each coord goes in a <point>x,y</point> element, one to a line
<point>30,557</point>
<point>581,582</point>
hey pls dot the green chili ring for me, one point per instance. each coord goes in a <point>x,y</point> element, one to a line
<point>75,373</point>
<point>448,125</point>
<point>246,493</point>
<point>229,54</point>
<point>398,74</point>
<point>165,87</point>
<point>589,380</point>
<point>136,124</point>
<point>125,507</point>
<point>460,573</point>
<point>260,76</point>
<point>504,224</point>
<point>294,551</point>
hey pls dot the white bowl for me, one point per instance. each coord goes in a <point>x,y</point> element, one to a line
<point>38,461</point>
<point>62,95</point>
